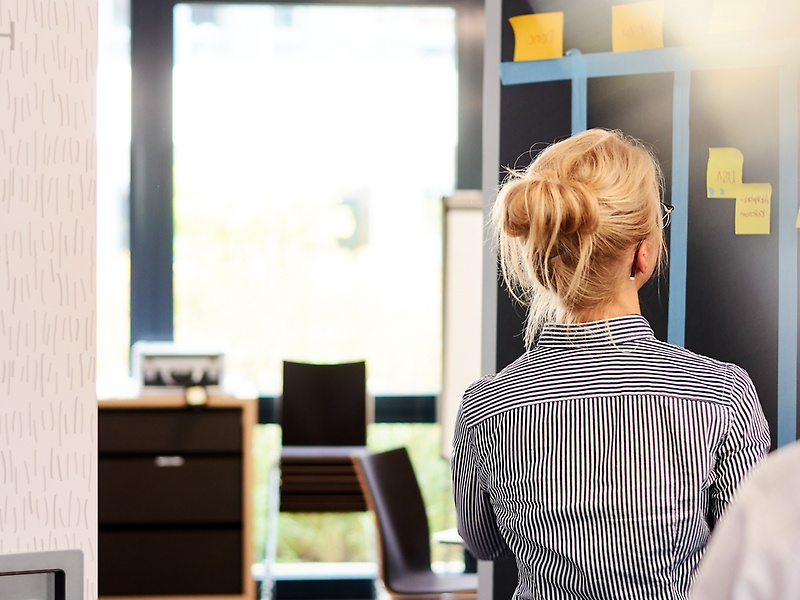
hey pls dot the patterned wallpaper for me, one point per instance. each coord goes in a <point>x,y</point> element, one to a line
<point>48,414</point>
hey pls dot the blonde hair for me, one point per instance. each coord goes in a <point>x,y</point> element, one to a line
<point>567,223</point>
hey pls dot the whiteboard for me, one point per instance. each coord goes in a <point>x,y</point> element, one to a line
<point>463,243</point>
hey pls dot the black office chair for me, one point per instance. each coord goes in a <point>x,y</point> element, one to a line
<point>323,415</point>
<point>404,562</point>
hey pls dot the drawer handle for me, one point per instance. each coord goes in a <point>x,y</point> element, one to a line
<point>169,461</point>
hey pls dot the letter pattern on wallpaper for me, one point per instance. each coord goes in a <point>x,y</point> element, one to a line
<point>48,408</point>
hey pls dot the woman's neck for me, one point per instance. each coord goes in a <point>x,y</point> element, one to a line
<point>626,303</point>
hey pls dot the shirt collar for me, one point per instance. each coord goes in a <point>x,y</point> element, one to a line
<point>595,333</point>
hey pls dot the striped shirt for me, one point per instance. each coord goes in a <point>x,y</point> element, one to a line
<point>601,460</point>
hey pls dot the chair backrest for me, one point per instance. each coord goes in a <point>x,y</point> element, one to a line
<point>393,494</point>
<point>323,404</point>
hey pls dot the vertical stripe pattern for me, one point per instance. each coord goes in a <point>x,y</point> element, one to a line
<point>602,459</point>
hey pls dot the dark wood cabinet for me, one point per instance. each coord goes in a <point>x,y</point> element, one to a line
<point>175,508</point>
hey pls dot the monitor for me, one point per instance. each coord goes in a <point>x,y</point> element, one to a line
<point>47,575</point>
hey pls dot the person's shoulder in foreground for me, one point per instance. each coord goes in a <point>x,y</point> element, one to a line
<point>754,552</point>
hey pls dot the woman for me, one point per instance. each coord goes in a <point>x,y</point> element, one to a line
<point>602,457</point>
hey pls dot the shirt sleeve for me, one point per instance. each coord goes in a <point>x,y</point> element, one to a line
<point>747,443</point>
<point>475,518</point>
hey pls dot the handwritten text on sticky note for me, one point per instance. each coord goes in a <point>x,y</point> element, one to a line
<point>724,172</point>
<point>753,208</point>
<point>538,37</point>
<point>637,26</point>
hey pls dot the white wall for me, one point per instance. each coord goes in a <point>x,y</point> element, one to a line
<point>48,414</point>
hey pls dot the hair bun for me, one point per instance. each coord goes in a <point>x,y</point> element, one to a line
<point>516,198</point>
<point>578,208</point>
<point>559,207</point>
<point>548,206</point>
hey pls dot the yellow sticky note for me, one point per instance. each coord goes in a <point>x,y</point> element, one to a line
<point>752,208</point>
<point>729,16</point>
<point>637,26</point>
<point>538,37</point>
<point>724,172</point>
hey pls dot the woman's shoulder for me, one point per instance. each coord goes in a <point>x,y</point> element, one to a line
<point>500,385</point>
<point>702,377</point>
<point>683,357</point>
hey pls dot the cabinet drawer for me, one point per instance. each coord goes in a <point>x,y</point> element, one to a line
<point>169,430</point>
<point>167,562</point>
<point>170,489</point>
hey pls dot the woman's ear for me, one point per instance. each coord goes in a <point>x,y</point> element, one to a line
<point>646,260</point>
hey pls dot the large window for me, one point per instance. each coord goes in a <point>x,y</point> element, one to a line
<point>309,171</point>
<point>300,217</point>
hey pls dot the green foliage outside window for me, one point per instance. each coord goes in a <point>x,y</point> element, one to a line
<point>350,537</point>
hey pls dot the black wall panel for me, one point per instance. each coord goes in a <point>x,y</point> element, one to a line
<point>531,117</point>
<point>732,280</point>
